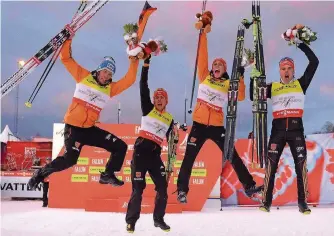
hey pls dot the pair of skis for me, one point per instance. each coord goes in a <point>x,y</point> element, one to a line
<point>259,107</point>
<point>231,113</point>
<point>51,63</point>
<point>80,18</point>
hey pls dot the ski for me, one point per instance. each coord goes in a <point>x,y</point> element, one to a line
<point>173,139</point>
<point>78,21</point>
<point>231,113</point>
<point>258,75</point>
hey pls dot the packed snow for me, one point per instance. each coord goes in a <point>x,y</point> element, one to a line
<point>29,218</point>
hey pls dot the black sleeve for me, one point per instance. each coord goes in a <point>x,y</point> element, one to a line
<point>146,104</point>
<point>311,68</point>
<point>251,90</point>
<point>169,130</point>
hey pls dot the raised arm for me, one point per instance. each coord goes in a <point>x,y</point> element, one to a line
<point>128,80</point>
<point>146,103</point>
<point>77,71</point>
<point>203,61</point>
<point>242,87</point>
<point>311,68</point>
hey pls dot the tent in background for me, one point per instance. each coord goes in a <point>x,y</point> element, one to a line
<point>7,135</point>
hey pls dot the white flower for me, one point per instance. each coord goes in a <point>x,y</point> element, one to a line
<point>294,32</point>
<point>303,35</point>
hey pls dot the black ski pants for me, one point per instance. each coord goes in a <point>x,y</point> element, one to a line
<point>45,191</point>
<point>75,138</point>
<point>198,135</point>
<point>144,160</point>
<point>277,141</point>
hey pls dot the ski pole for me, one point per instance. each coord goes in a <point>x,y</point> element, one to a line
<point>42,80</point>
<point>52,61</point>
<point>196,61</point>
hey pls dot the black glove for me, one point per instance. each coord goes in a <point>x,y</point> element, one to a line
<point>241,70</point>
<point>148,60</point>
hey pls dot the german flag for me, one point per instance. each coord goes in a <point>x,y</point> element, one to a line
<point>143,18</point>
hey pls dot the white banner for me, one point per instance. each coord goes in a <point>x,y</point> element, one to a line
<point>18,187</point>
<point>58,139</point>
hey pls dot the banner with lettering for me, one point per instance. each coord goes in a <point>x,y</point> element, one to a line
<point>320,165</point>
<point>15,184</point>
<point>73,188</point>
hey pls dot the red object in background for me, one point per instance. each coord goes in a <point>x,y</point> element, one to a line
<point>3,154</point>
<point>20,155</point>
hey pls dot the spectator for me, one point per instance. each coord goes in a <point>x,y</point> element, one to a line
<point>46,186</point>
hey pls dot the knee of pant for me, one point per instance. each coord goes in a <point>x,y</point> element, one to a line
<point>138,185</point>
<point>72,157</point>
<point>138,191</point>
<point>120,147</point>
<point>162,190</point>
<point>73,161</point>
<point>162,193</point>
<point>273,156</point>
<point>123,146</point>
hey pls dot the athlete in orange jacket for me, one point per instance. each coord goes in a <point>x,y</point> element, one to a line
<point>93,91</point>
<point>208,120</point>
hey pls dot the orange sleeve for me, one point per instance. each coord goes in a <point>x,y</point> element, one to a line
<point>126,81</point>
<point>242,88</point>
<point>202,65</point>
<point>77,72</point>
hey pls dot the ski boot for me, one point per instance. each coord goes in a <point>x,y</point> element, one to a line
<point>303,208</point>
<point>162,225</point>
<point>182,197</point>
<point>265,207</point>
<point>130,228</point>
<point>250,191</point>
<point>106,178</point>
<point>35,179</point>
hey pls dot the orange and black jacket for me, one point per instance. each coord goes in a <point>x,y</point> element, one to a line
<point>202,113</point>
<point>77,114</point>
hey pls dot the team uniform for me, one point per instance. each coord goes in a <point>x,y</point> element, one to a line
<point>287,127</point>
<point>155,125</point>
<point>90,97</point>
<point>208,123</point>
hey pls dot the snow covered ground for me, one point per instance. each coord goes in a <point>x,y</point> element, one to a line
<point>29,218</point>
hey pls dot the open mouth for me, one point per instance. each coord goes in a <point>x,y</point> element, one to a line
<point>216,72</point>
<point>286,76</point>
